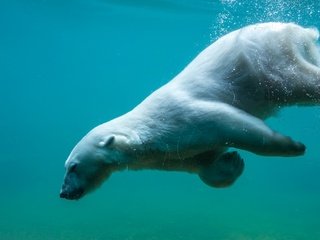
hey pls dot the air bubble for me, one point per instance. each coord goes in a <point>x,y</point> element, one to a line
<point>238,13</point>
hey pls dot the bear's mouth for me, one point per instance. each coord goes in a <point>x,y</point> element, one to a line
<point>71,195</point>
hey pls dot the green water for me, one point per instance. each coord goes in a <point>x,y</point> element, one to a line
<point>67,66</point>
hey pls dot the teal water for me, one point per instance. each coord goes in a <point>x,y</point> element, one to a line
<point>67,66</point>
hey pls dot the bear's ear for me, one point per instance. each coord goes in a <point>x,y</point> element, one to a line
<point>107,141</point>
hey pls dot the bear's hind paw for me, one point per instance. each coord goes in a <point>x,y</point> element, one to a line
<point>223,171</point>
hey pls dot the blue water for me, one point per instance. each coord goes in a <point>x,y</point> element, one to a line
<point>67,66</point>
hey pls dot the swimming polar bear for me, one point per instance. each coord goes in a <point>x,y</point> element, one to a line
<point>218,101</point>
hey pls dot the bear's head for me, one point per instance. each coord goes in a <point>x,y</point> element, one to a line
<point>91,162</point>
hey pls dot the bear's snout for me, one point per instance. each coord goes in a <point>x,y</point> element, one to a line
<point>71,194</point>
<point>71,189</point>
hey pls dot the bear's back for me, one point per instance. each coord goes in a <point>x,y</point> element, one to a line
<point>251,67</point>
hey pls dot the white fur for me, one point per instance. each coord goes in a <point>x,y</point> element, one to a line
<point>219,100</point>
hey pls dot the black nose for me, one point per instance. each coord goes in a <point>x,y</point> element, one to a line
<point>71,195</point>
<point>63,194</point>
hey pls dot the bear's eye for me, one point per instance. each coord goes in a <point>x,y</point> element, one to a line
<point>73,167</point>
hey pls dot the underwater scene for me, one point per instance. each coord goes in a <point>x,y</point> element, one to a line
<point>68,66</point>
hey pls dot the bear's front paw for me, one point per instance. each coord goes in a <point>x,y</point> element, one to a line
<point>287,146</point>
<point>299,148</point>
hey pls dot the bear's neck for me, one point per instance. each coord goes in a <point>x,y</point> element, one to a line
<point>146,141</point>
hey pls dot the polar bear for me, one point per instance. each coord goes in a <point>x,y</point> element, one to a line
<point>218,101</point>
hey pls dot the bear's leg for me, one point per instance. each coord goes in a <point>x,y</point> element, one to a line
<point>236,128</point>
<point>223,171</point>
